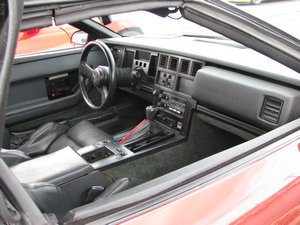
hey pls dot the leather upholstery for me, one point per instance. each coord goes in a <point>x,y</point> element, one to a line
<point>59,167</point>
<point>6,139</point>
<point>49,198</point>
<point>78,136</point>
<point>119,185</point>
<point>13,157</point>
<point>54,136</point>
<point>40,140</point>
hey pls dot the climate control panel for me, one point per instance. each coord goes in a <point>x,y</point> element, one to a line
<point>166,80</point>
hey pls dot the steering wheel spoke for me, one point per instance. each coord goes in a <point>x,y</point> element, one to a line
<point>103,92</point>
<point>85,70</point>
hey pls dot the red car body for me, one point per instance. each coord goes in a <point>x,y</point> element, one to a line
<point>263,192</point>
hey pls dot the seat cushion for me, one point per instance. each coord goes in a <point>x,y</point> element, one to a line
<point>81,134</point>
<point>84,133</point>
<point>53,136</point>
<point>62,142</point>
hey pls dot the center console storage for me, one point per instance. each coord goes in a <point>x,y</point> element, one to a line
<point>73,171</point>
<point>97,154</point>
<point>57,168</point>
<point>104,153</point>
<point>66,165</point>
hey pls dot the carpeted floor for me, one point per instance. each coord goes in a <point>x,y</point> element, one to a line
<point>204,140</point>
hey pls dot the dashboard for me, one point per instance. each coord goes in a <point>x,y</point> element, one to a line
<point>178,81</point>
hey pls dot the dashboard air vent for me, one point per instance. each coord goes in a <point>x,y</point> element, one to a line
<point>184,67</point>
<point>173,63</point>
<point>271,109</point>
<point>196,66</point>
<point>163,61</point>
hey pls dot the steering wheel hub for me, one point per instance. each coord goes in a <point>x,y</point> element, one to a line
<point>96,77</point>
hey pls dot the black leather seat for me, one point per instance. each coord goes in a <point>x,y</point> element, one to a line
<point>52,137</point>
<point>52,199</point>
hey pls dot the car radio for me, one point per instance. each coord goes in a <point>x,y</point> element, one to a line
<point>174,110</point>
<point>171,103</point>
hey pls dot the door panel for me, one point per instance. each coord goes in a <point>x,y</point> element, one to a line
<point>35,79</point>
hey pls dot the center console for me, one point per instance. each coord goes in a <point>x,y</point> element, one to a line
<point>67,165</point>
<point>174,109</point>
<point>104,153</point>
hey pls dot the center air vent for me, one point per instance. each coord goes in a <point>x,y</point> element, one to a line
<point>184,66</point>
<point>173,63</point>
<point>163,61</point>
<point>271,109</point>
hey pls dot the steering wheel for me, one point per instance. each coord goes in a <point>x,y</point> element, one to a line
<point>103,78</point>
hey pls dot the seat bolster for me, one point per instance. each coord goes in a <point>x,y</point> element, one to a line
<point>81,213</point>
<point>119,185</point>
<point>6,139</point>
<point>13,157</point>
<point>43,137</point>
<point>49,198</point>
<point>84,133</point>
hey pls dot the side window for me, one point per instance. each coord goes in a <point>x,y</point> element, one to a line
<point>45,39</point>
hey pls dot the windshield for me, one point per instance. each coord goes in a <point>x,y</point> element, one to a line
<point>150,24</point>
<point>282,14</point>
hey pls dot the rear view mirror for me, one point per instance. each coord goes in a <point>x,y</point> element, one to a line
<point>79,38</point>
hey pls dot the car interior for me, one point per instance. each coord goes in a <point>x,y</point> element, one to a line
<point>86,123</point>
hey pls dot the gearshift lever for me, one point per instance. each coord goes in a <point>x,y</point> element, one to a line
<point>151,112</point>
<point>146,127</point>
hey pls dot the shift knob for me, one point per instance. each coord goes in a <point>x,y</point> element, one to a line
<point>151,112</point>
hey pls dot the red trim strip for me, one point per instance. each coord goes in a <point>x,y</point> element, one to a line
<point>132,131</point>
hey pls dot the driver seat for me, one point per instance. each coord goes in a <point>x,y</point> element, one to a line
<point>52,137</point>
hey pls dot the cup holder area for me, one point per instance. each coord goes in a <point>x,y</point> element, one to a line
<point>97,154</point>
